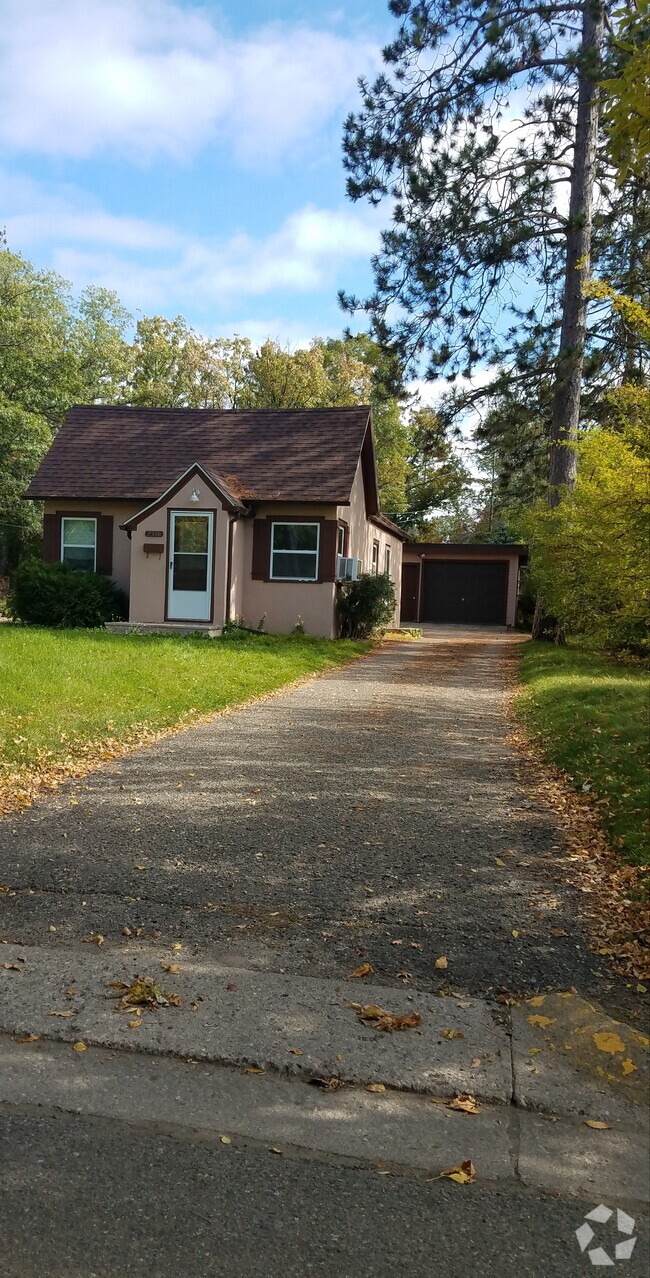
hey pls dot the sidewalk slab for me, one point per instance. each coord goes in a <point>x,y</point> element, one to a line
<point>393,1129</point>
<point>570,1158</point>
<point>569,1057</point>
<point>303,1026</point>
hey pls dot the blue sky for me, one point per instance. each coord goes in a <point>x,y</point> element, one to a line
<point>188,155</point>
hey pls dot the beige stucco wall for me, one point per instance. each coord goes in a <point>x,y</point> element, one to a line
<point>413,556</point>
<point>238,568</point>
<point>362,535</point>
<point>149,571</point>
<point>284,602</point>
<point>121,545</point>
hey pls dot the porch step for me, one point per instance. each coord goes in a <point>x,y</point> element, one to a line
<point>163,628</point>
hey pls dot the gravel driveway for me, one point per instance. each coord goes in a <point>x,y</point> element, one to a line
<point>363,816</point>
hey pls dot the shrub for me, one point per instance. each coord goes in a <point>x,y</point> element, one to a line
<point>365,604</point>
<point>57,595</point>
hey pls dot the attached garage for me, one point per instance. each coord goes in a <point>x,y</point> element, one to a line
<point>461,584</point>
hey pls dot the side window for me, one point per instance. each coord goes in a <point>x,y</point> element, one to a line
<point>340,540</point>
<point>294,552</point>
<point>79,543</point>
<point>375,557</point>
<point>387,561</point>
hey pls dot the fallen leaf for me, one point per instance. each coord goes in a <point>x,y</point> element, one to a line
<point>172,968</point>
<point>375,1087</point>
<point>628,1066</point>
<point>611,1043</point>
<point>296,1051</point>
<point>441,962</point>
<point>449,1033</point>
<point>225,1140</point>
<point>508,1000</point>
<point>231,987</point>
<point>11,967</point>
<point>476,1061</point>
<point>126,931</point>
<point>174,1000</point>
<point>498,861</point>
<point>80,1047</point>
<point>93,938</point>
<point>328,1084</point>
<point>515,933</point>
<point>463,1175</point>
<point>140,867</point>
<point>542,1021</point>
<point>135,1024</point>
<point>466,1103</point>
<point>143,992</point>
<point>366,969</point>
<point>61,1013</point>
<point>558,931</point>
<point>597,1125</point>
<point>29,1038</point>
<point>378,1018</point>
<point>273,1149</point>
<point>254,1069</point>
<point>176,946</point>
<point>536,1001</point>
<point>532,1051</point>
<point>405,977</point>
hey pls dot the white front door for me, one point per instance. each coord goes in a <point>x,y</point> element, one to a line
<point>189,588</point>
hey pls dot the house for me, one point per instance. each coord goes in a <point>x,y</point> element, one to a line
<point>461,584</point>
<point>203,516</point>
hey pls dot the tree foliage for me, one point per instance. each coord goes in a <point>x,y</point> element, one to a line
<point>627,93</point>
<point>589,555</point>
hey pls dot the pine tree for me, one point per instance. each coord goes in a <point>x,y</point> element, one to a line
<point>483,133</point>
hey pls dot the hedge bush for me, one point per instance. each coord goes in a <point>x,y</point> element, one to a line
<point>57,595</point>
<point>365,604</point>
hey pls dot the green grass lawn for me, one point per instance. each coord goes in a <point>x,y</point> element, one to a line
<point>61,690</point>
<point>591,717</point>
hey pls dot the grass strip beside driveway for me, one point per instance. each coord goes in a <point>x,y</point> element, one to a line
<point>590,717</point>
<point>72,698</point>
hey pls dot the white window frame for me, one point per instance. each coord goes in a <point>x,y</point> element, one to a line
<point>376,548</point>
<point>340,548</point>
<point>293,523</point>
<point>387,557</point>
<point>87,519</point>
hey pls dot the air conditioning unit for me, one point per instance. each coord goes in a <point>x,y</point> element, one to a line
<point>347,569</point>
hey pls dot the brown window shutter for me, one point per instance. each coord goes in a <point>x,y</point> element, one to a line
<point>328,543</point>
<point>104,558</point>
<point>51,538</point>
<point>261,549</point>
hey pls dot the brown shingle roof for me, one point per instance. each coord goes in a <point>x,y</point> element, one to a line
<point>292,455</point>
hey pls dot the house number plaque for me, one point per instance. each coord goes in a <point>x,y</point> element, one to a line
<point>153,534</point>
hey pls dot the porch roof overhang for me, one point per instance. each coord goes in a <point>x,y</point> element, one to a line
<point>215,483</point>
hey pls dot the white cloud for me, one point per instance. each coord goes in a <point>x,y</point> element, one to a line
<point>155,265</point>
<point>149,77</point>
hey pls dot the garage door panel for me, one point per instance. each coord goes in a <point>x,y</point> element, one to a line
<point>470,592</point>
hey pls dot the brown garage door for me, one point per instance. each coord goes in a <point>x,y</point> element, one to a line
<point>470,592</point>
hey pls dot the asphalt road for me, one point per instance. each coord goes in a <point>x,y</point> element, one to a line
<point>361,817</point>
<point>92,1199</point>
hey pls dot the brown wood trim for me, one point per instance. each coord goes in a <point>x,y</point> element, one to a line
<point>231,532</point>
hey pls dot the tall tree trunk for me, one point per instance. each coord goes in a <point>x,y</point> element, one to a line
<point>568,384</point>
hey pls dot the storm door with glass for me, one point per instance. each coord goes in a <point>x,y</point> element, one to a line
<point>189,593</point>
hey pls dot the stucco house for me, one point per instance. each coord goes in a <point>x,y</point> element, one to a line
<point>203,516</point>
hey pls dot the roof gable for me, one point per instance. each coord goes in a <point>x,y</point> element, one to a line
<point>297,455</point>
<point>214,482</point>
